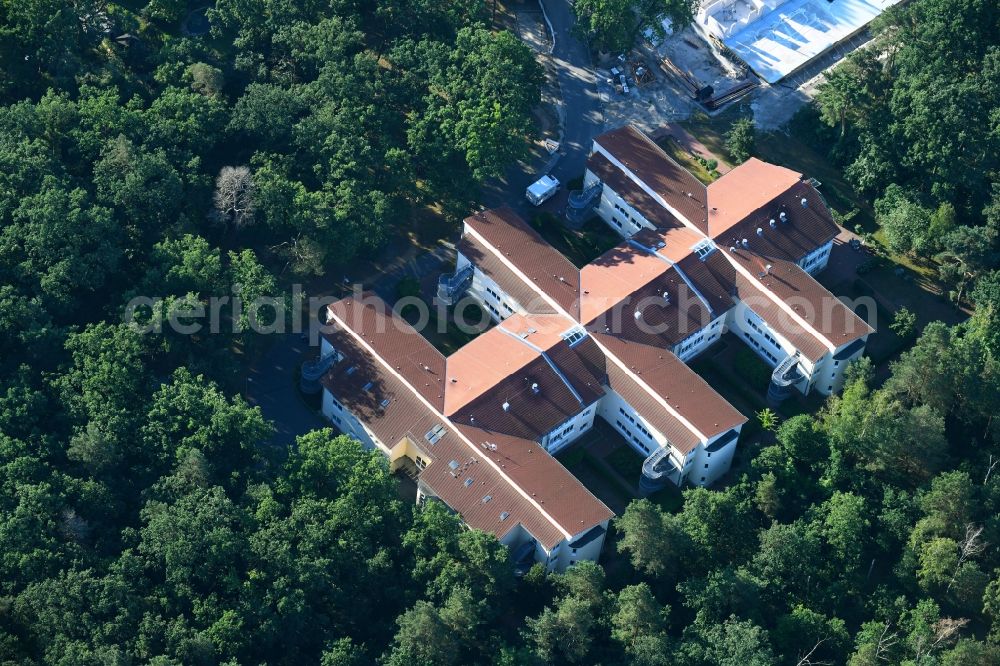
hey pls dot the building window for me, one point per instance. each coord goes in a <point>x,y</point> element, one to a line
<point>704,248</point>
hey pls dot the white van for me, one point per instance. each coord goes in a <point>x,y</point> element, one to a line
<point>541,190</point>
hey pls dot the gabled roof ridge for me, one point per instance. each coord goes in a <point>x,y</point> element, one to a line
<point>445,420</point>
<point>611,356</point>
<point>780,302</point>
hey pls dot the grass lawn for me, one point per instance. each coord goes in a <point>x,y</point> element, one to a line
<point>626,462</point>
<point>787,150</point>
<point>687,160</point>
<point>579,246</point>
<point>449,338</point>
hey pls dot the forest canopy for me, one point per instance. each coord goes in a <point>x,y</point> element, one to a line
<point>148,512</point>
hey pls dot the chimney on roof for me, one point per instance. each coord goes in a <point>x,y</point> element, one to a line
<point>760,232</point>
<point>805,202</point>
<point>783,216</point>
<point>773,223</point>
<point>506,406</point>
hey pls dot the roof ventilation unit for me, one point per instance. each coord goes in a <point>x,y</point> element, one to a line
<point>535,388</point>
<point>666,297</point>
<point>773,223</point>
<point>805,202</point>
<point>783,216</point>
<point>732,248</point>
<point>506,406</point>
<point>760,232</point>
<point>746,243</point>
<point>638,314</point>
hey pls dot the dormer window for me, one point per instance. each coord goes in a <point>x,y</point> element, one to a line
<point>574,335</point>
<point>703,248</point>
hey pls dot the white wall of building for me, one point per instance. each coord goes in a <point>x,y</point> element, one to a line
<point>349,424</point>
<point>829,375</point>
<point>691,346</point>
<point>570,430</point>
<point>616,212</point>
<point>768,343</point>
<point>710,464</point>
<point>637,431</point>
<point>495,300</point>
<point>816,260</point>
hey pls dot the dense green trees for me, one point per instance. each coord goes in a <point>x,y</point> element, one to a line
<point>614,25</point>
<point>149,515</point>
<point>916,130</point>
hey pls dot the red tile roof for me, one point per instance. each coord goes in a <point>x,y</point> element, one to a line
<point>696,412</point>
<point>795,305</point>
<point>744,190</point>
<point>648,163</point>
<point>486,260</point>
<point>616,179</point>
<point>511,239</point>
<point>397,342</point>
<point>803,229</point>
<point>518,477</point>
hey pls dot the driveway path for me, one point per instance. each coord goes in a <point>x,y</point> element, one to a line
<point>580,112</point>
<point>581,116</point>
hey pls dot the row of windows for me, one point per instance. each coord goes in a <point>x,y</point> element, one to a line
<point>500,300</point>
<point>763,351</point>
<point>767,336</point>
<point>687,346</point>
<point>628,434</point>
<point>637,424</point>
<point>815,257</point>
<point>633,221</point>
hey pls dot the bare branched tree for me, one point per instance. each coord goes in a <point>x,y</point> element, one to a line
<point>886,641</point>
<point>807,660</point>
<point>989,469</point>
<point>968,547</point>
<point>234,196</point>
<point>945,632</point>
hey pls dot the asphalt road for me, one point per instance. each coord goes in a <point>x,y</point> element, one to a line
<point>580,114</point>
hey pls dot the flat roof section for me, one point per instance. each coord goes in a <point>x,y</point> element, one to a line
<point>794,33</point>
<point>743,190</point>
<point>482,364</point>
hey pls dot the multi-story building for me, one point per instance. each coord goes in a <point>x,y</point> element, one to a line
<point>611,339</point>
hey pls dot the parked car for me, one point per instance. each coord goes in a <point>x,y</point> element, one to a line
<point>624,83</point>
